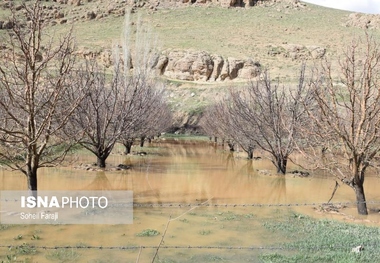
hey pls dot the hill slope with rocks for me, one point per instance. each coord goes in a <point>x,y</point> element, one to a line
<point>209,45</point>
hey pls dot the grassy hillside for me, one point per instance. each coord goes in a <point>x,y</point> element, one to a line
<point>234,32</point>
<point>258,32</point>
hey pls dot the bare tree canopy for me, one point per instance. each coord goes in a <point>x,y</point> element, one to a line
<point>155,118</point>
<point>36,94</point>
<point>125,104</point>
<point>103,113</point>
<point>343,136</point>
<point>264,115</point>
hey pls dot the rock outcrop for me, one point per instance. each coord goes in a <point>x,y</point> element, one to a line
<point>296,51</point>
<point>188,65</point>
<point>201,66</point>
<point>365,21</point>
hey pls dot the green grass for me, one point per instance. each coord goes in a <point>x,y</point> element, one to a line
<point>305,239</point>
<point>24,249</point>
<point>185,137</point>
<point>204,232</point>
<point>63,255</point>
<point>148,233</point>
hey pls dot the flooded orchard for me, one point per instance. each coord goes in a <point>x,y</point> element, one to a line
<point>237,198</point>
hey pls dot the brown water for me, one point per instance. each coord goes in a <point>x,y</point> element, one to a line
<point>178,172</point>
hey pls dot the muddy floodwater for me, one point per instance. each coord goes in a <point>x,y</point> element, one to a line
<point>237,196</point>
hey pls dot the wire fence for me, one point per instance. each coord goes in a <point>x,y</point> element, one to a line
<point>345,247</point>
<point>185,205</point>
<point>209,204</point>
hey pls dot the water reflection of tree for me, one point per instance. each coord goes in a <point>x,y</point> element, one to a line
<point>278,193</point>
<point>230,160</point>
<point>195,174</point>
<point>100,182</point>
<point>274,187</point>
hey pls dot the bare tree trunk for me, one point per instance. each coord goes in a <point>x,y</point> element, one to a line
<point>128,146</point>
<point>360,199</point>
<point>32,179</point>
<point>231,146</point>
<point>101,161</point>
<point>250,153</point>
<point>280,164</point>
<point>142,140</point>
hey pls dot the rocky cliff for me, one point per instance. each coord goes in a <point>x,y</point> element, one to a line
<point>201,66</point>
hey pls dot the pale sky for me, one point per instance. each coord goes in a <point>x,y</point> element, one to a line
<point>363,6</point>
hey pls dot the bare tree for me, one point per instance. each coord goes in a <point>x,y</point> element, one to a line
<point>216,122</point>
<point>343,137</point>
<point>139,58</point>
<point>121,106</point>
<point>35,84</point>
<point>211,124</point>
<point>263,115</point>
<point>105,112</point>
<point>154,118</point>
<point>219,121</point>
<point>271,116</point>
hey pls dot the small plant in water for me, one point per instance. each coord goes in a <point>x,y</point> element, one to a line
<point>249,216</point>
<point>205,232</point>
<point>3,227</point>
<point>148,233</point>
<point>229,216</point>
<point>35,237</point>
<point>184,220</point>
<point>18,237</point>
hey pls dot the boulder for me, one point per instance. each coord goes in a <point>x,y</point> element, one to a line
<point>237,3</point>
<point>225,71</point>
<point>251,69</point>
<point>364,21</point>
<point>316,52</point>
<point>59,15</point>
<point>202,66</point>
<point>91,15</point>
<point>159,63</point>
<point>74,2</point>
<point>218,62</point>
<point>357,249</point>
<point>178,67</point>
<point>123,167</point>
<point>106,58</point>
<point>189,65</point>
<point>235,65</point>
<point>296,51</point>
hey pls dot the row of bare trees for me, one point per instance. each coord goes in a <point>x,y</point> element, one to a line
<point>50,101</point>
<point>262,115</point>
<point>332,117</point>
